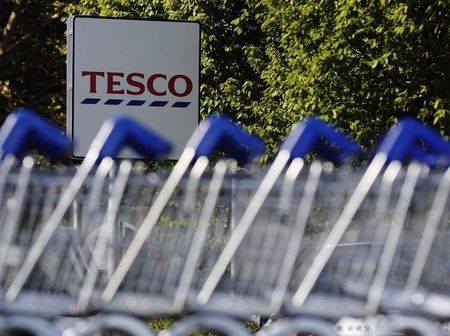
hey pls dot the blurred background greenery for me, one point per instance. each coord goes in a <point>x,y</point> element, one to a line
<point>358,64</point>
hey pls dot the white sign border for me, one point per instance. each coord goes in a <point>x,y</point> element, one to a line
<point>70,69</point>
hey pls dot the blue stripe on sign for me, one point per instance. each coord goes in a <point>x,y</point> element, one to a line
<point>113,101</point>
<point>159,103</point>
<point>181,104</point>
<point>90,101</point>
<point>136,102</point>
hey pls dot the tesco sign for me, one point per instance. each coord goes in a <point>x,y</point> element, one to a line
<point>142,68</point>
<point>137,83</point>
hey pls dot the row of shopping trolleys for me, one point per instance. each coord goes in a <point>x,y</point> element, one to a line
<point>304,243</point>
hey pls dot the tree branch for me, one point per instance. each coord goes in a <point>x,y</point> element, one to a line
<point>9,28</point>
<point>356,48</point>
<point>11,46</point>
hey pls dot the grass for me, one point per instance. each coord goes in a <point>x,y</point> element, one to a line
<point>162,323</point>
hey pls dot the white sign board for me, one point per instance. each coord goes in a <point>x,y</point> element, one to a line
<point>145,69</point>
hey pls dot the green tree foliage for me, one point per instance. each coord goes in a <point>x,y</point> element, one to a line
<point>360,64</point>
<point>32,65</point>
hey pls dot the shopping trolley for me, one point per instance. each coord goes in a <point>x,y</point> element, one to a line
<point>344,269</point>
<point>54,263</point>
<point>250,275</point>
<point>426,288</point>
<point>24,191</point>
<point>157,265</point>
<point>420,290</point>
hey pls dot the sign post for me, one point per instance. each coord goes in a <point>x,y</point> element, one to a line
<point>145,69</point>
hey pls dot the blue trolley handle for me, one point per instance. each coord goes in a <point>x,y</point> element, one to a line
<point>219,133</point>
<point>119,132</point>
<point>24,130</point>
<point>314,135</point>
<point>431,159</point>
<point>411,140</point>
